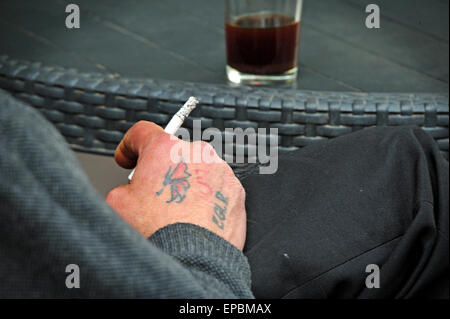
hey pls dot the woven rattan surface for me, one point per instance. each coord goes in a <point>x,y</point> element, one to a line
<point>94,110</point>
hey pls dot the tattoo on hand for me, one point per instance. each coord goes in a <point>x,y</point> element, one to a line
<point>220,211</point>
<point>177,179</point>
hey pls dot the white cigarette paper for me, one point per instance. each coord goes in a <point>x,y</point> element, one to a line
<point>177,120</point>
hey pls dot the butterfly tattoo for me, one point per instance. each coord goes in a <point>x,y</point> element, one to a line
<point>177,179</point>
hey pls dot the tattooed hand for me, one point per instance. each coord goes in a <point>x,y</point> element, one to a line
<point>164,191</point>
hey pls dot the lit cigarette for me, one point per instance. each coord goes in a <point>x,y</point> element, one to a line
<point>177,120</point>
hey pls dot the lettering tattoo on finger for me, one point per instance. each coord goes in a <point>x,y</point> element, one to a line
<point>177,179</point>
<point>220,210</point>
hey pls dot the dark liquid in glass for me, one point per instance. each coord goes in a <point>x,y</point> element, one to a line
<point>263,44</point>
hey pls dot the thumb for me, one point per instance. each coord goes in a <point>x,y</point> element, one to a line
<point>136,138</point>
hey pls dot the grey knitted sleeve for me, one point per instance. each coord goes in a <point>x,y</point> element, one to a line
<point>208,257</point>
<point>51,217</point>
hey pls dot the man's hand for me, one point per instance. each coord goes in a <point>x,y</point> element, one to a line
<point>169,189</point>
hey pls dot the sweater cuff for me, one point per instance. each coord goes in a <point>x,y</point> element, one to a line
<point>181,240</point>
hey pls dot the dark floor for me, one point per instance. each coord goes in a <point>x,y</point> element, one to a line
<point>184,40</point>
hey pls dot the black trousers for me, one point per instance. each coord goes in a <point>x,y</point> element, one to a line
<point>375,197</point>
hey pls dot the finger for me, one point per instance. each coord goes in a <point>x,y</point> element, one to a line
<point>137,137</point>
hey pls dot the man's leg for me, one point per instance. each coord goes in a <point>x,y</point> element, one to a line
<point>378,196</point>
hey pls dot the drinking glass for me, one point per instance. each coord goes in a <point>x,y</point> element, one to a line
<point>262,39</point>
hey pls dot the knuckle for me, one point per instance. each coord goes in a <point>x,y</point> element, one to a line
<point>235,184</point>
<point>227,168</point>
<point>229,173</point>
<point>206,147</point>
<point>143,123</point>
<point>238,184</point>
<point>239,188</point>
<point>242,190</point>
<point>114,195</point>
<point>200,143</point>
<point>242,193</point>
<point>140,124</point>
<point>146,126</point>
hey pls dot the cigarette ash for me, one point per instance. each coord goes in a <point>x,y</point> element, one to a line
<point>187,108</point>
